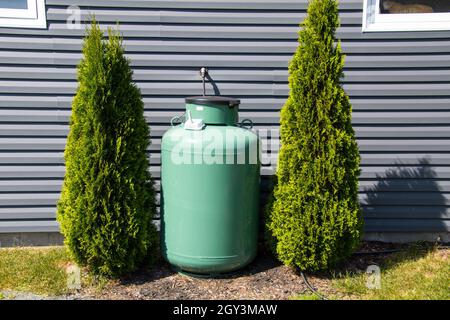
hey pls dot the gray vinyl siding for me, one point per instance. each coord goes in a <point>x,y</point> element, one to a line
<point>399,84</point>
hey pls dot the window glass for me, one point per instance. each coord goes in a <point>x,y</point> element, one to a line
<point>414,6</point>
<point>14,4</point>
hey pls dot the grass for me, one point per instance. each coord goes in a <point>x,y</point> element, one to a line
<point>419,273</point>
<point>41,271</point>
<point>305,296</point>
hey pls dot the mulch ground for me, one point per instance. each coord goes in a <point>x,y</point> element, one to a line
<point>264,278</point>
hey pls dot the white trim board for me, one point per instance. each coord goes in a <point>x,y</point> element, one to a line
<point>374,21</point>
<point>32,17</point>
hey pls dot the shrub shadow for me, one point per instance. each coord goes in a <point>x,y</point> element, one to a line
<point>410,188</point>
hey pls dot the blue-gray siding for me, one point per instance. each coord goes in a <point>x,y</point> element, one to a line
<point>399,85</point>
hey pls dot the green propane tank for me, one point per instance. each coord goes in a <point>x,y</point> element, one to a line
<point>210,180</point>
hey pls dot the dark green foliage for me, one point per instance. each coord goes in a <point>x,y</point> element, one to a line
<point>314,218</point>
<point>107,201</point>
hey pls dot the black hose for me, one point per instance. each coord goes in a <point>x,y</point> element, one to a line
<point>311,288</point>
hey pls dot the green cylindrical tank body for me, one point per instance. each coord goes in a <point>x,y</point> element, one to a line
<point>209,189</point>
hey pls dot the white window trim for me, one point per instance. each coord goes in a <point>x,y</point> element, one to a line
<point>32,17</point>
<point>374,21</point>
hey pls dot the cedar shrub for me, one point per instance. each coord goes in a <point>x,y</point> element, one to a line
<point>107,199</point>
<point>314,218</point>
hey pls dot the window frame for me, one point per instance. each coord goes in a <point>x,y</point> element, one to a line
<point>374,21</point>
<point>32,17</point>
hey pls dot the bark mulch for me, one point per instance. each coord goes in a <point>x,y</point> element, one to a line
<point>264,279</point>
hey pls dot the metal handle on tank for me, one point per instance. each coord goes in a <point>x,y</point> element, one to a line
<point>246,123</point>
<point>178,119</point>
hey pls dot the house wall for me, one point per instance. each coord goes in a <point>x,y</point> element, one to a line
<point>399,84</point>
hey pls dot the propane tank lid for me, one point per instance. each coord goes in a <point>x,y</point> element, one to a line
<point>207,100</point>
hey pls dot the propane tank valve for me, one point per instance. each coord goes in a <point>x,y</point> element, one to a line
<point>203,74</point>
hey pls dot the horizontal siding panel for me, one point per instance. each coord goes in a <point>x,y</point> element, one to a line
<point>375,76</point>
<point>24,199</point>
<point>359,118</point>
<point>41,185</point>
<point>418,211</point>
<point>396,46</point>
<point>372,159</point>
<point>36,199</point>
<point>393,184</point>
<point>175,31</point>
<point>13,158</point>
<point>207,4</point>
<point>34,116</point>
<point>157,130</point>
<point>56,29</point>
<point>34,101</point>
<point>410,89</point>
<point>400,104</point>
<point>223,60</point>
<point>385,197</point>
<point>367,159</point>
<point>24,213</point>
<point>137,60</point>
<point>184,89</point>
<point>31,172</point>
<point>406,225</point>
<point>364,145</point>
<point>156,16</point>
<point>32,144</point>
<point>263,46</point>
<point>34,130</point>
<point>421,208</point>
<point>430,187</point>
<point>43,171</point>
<point>254,103</point>
<point>355,33</point>
<point>28,43</point>
<point>154,46</point>
<point>407,212</point>
<point>397,61</point>
<point>28,226</point>
<point>377,172</point>
<point>61,130</point>
<point>435,131</point>
<point>252,75</point>
<point>404,145</point>
<point>229,89</point>
<point>403,159</point>
<point>385,118</point>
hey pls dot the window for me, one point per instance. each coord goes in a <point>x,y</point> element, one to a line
<point>22,14</point>
<point>406,15</point>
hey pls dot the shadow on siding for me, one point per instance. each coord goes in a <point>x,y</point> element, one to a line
<point>406,193</point>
